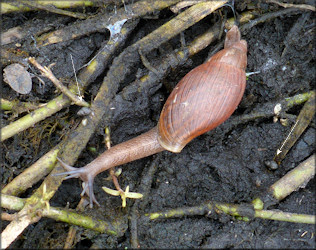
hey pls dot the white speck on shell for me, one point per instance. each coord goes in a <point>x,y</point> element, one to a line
<point>175,98</point>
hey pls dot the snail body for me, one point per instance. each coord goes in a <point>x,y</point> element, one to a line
<point>202,100</point>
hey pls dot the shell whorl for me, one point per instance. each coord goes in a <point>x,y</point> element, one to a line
<point>206,96</point>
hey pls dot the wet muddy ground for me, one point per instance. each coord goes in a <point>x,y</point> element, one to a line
<point>223,165</point>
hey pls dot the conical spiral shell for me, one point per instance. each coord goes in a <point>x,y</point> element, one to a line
<point>206,96</point>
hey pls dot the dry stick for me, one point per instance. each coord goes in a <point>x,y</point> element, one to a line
<point>86,76</point>
<point>284,216</point>
<point>115,75</point>
<point>49,74</point>
<point>16,227</point>
<point>49,8</point>
<point>289,5</point>
<point>15,7</point>
<point>303,120</point>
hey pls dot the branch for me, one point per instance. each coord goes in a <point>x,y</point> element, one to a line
<point>49,74</point>
<point>289,5</point>
<point>11,7</point>
<point>295,179</point>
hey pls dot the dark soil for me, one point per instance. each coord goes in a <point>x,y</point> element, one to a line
<point>217,166</point>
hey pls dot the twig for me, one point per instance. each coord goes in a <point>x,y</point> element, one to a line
<point>18,107</point>
<point>284,216</point>
<point>49,8</point>
<point>75,74</point>
<point>290,5</point>
<point>112,170</point>
<point>31,213</point>
<point>293,35</point>
<point>244,17</point>
<point>245,211</point>
<point>146,63</point>
<point>49,74</point>
<point>295,179</point>
<point>32,174</point>
<point>266,110</point>
<point>11,7</point>
<point>7,216</point>
<point>37,115</point>
<point>266,17</point>
<point>303,120</point>
<point>16,227</point>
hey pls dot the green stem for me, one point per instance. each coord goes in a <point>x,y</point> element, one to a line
<point>244,211</point>
<point>284,216</point>
<point>59,214</point>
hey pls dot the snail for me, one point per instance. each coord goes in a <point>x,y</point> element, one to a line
<point>202,100</point>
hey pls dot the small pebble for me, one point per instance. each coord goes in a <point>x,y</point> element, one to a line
<point>272,165</point>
